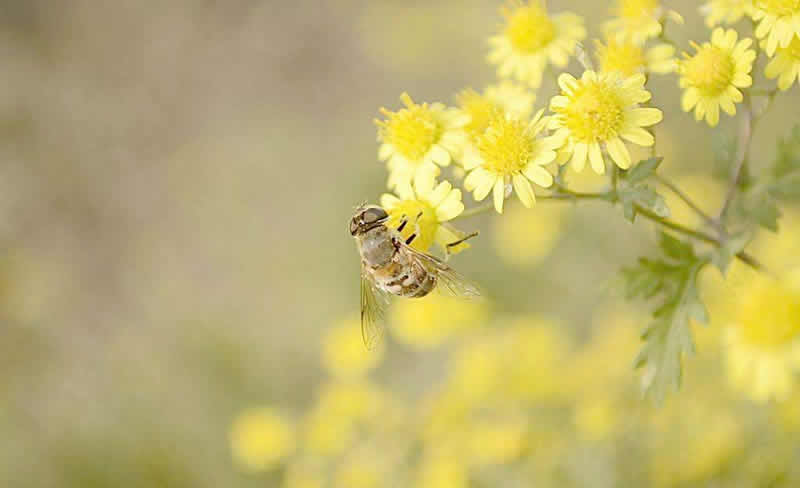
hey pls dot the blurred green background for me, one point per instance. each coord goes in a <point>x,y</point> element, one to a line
<point>175,184</point>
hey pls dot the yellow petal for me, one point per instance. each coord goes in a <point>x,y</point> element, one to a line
<point>645,117</point>
<point>524,190</point>
<point>596,158</point>
<point>538,175</point>
<point>450,207</point>
<point>579,156</point>
<point>689,99</point>
<point>619,153</point>
<point>499,194</point>
<point>639,136</point>
<point>389,201</point>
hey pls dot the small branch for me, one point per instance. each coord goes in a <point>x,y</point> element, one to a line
<point>745,138</point>
<point>692,205</point>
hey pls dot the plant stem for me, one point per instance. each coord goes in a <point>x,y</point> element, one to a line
<point>692,205</point>
<point>745,137</point>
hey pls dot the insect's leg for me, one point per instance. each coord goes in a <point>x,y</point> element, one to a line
<point>416,230</point>
<point>453,244</point>
<point>403,222</point>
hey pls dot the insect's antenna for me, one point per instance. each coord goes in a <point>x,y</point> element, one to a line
<point>360,206</point>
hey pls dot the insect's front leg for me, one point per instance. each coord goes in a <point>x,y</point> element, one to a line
<point>453,244</point>
<point>416,230</point>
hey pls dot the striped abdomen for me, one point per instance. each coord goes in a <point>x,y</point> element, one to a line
<point>404,277</point>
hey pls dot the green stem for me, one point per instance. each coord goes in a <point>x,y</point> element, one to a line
<point>688,201</point>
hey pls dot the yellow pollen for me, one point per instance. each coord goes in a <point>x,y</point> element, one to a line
<point>632,9</point>
<point>529,28</point>
<point>780,8</point>
<point>412,130</point>
<point>625,57</point>
<point>710,70</point>
<point>770,315</point>
<point>478,108</point>
<point>506,146</point>
<point>425,226</point>
<point>594,113</point>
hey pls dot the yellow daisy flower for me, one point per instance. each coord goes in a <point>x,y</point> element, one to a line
<point>417,138</point>
<point>531,39</point>
<point>712,77</point>
<point>725,11</point>
<point>600,110</point>
<point>434,205</point>
<point>785,65</point>
<point>525,237</point>
<point>630,58</point>
<point>509,152</point>
<point>635,20</point>
<point>261,438</point>
<point>778,22</point>
<point>764,341</point>
<point>430,321</point>
<point>508,97</point>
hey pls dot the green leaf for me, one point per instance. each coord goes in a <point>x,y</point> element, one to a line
<point>724,147</point>
<point>722,256</point>
<point>641,196</point>
<point>671,282</point>
<point>643,170</point>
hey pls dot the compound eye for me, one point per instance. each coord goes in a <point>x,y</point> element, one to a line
<point>374,214</point>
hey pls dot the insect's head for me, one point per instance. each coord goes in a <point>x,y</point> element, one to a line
<point>366,218</point>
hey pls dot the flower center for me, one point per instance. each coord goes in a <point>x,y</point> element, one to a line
<point>506,146</point>
<point>780,8</point>
<point>627,58</point>
<point>770,315</point>
<point>425,227</point>
<point>530,29</point>
<point>632,9</point>
<point>412,131</point>
<point>478,107</point>
<point>710,70</point>
<point>594,113</point>
<point>793,49</point>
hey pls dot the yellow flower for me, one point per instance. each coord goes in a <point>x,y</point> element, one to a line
<point>531,39</point>
<point>434,205</point>
<point>507,97</point>
<point>429,321</point>
<point>707,193</point>
<point>602,109</point>
<point>635,20</point>
<point>629,58</point>
<point>441,471</point>
<point>726,11</point>
<point>778,22</point>
<point>260,439</point>
<point>509,151</point>
<point>497,442</point>
<point>764,340</point>
<point>525,237</point>
<point>332,424</point>
<point>417,138</point>
<point>785,65</point>
<point>711,78</point>
<point>343,351</point>
<point>359,472</point>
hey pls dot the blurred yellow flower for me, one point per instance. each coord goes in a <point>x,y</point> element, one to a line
<point>602,109</point>
<point>785,65</point>
<point>261,438</point>
<point>712,77</point>
<point>535,354</point>
<point>331,425</point>
<point>532,39</point>
<point>429,321</point>
<point>497,442</point>
<point>417,139</point>
<point>527,236</point>
<point>764,340</point>
<point>510,152</point>
<point>596,419</point>
<point>442,471</point>
<point>427,208</point>
<point>726,11</point>
<point>706,192</point>
<point>778,22</point>
<point>343,351</point>
<point>359,472</point>
<point>506,96</point>
<point>635,20</point>
<point>629,58</point>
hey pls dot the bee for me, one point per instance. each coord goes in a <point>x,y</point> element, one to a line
<point>390,266</point>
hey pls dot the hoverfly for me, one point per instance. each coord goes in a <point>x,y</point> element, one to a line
<point>389,266</point>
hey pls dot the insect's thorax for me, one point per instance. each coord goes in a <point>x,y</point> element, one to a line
<point>376,247</point>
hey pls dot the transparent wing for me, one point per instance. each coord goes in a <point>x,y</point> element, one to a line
<point>450,282</point>
<point>373,308</point>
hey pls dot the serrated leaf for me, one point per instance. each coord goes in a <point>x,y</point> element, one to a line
<point>643,170</point>
<point>672,281</point>
<point>722,256</point>
<point>641,196</point>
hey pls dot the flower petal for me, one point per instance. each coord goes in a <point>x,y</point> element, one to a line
<point>639,136</point>
<point>389,201</point>
<point>524,190</point>
<point>499,194</point>
<point>596,158</point>
<point>619,153</point>
<point>579,156</point>
<point>450,207</point>
<point>538,175</point>
<point>645,117</point>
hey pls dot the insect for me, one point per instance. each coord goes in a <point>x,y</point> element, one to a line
<point>389,266</point>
